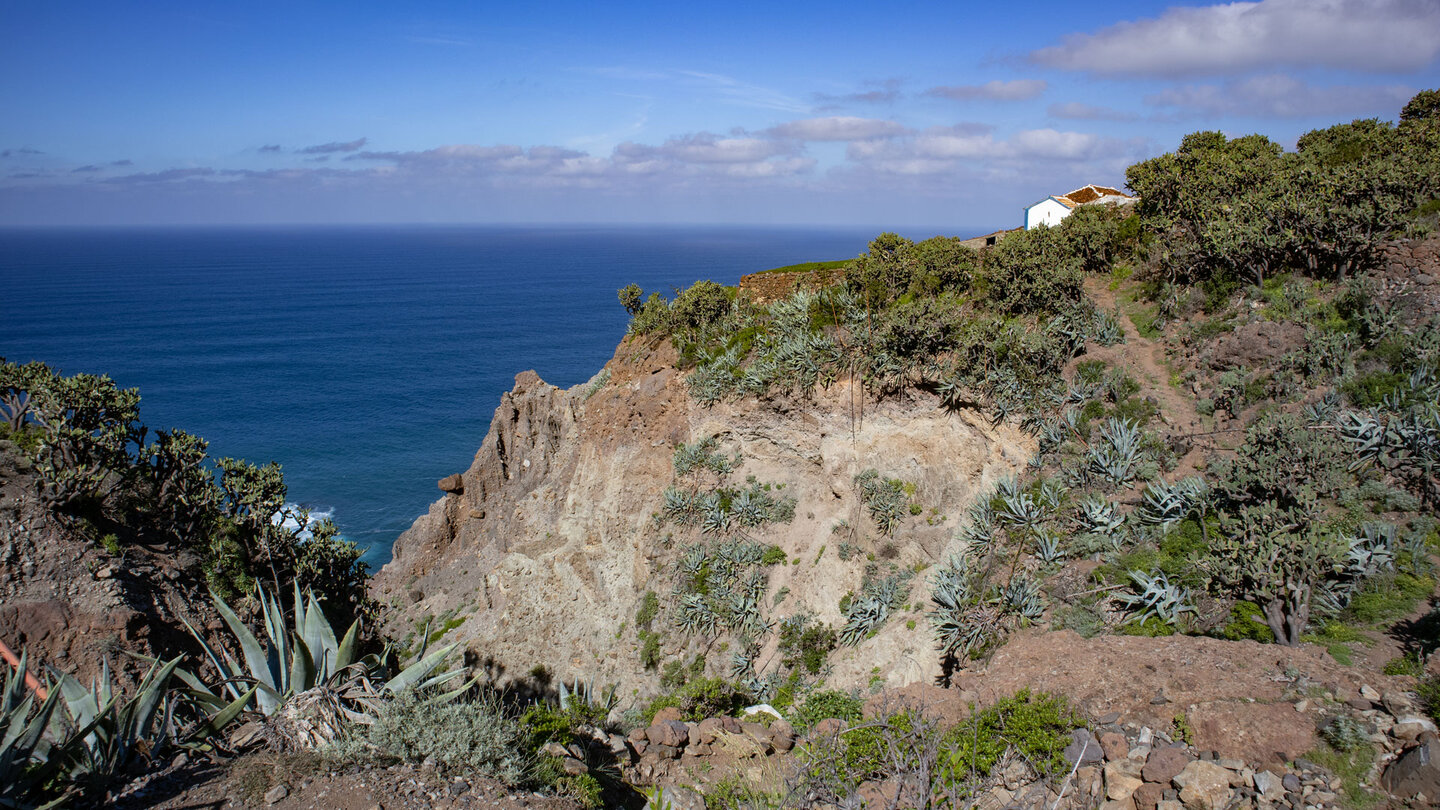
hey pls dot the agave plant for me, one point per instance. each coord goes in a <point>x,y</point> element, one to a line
<point>1117,455</point>
<point>584,700</point>
<point>1008,487</point>
<point>742,661</point>
<point>1051,494</point>
<point>1099,516</point>
<point>1158,597</point>
<point>1021,511</point>
<point>679,507</point>
<point>749,510</point>
<point>714,517</point>
<point>104,733</point>
<point>866,614</point>
<point>1022,597</point>
<point>1323,410</point>
<point>1047,546</point>
<point>696,616</point>
<point>304,670</point>
<point>26,763</point>
<point>1163,504</point>
<point>1372,551</point>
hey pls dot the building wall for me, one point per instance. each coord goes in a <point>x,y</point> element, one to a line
<point>1045,212</point>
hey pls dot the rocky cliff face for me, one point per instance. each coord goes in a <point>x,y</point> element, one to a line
<point>546,544</point>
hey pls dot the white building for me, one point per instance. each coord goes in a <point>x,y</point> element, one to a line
<point>1051,210</point>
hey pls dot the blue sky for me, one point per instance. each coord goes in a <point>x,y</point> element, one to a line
<point>918,114</point>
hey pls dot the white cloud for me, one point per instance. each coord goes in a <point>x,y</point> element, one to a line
<point>836,128</point>
<point>1370,35</point>
<point>948,149</point>
<point>1277,96</point>
<point>1076,110</point>
<point>997,90</point>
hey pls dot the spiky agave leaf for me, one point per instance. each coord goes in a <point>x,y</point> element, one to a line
<point>1158,597</point>
<point>25,756</point>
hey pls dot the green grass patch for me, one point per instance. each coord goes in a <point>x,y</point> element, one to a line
<point>808,267</point>
<point>1351,767</point>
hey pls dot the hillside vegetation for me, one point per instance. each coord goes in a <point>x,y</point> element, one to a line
<point>1234,398</point>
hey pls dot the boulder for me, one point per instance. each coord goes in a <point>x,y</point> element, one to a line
<point>1410,727</point>
<point>672,733</point>
<point>1164,764</point>
<point>1417,771</point>
<point>1148,795</point>
<point>1269,785</point>
<point>1115,745</point>
<point>1120,785</point>
<point>782,736</point>
<point>707,729</point>
<point>452,484</point>
<point>1203,786</point>
<point>1083,748</point>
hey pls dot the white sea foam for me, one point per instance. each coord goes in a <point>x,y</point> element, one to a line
<point>286,518</point>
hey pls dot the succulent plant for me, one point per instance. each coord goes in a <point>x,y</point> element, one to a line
<point>1051,494</point>
<point>26,763</point>
<point>866,614</point>
<point>1021,511</point>
<point>696,616</point>
<point>1099,516</point>
<point>1158,597</point>
<point>308,658</point>
<point>1022,597</point>
<point>1047,546</point>
<point>714,517</point>
<point>679,506</point>
<point>1117,455</point>
<point>1372,551</point>
<point>1323,410</point>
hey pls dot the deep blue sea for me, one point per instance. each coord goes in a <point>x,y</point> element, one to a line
<point>367,361</point>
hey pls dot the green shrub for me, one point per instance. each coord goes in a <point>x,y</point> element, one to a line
<point>774,555</point>
<point>1385,599</point>
<point>700,305</point>
<point>1033,272</point>
<point>1428,690</point>
<point>824,705</point>
<point>735,793</point>
<point>805,644</point>
<point>1406,664</point>
<point>649,649</point>
<point>473,736</point>
<point>1247,622</point>
<point>1036,726</point>
<point>1370,390</point>
<point>701,698</point>
<point>648,610</point>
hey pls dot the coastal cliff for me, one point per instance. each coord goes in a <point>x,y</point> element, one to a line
<point>547,543</point>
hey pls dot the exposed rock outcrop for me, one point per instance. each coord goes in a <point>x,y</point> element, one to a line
<point>549,541</point>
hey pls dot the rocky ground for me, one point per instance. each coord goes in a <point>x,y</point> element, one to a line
<point>71,604</point>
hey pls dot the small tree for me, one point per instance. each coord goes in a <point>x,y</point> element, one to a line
<point>1274,557</point>
<point>632,298</point>
<point>1425,106</point>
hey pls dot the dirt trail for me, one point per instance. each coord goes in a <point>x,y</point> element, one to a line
<point>1146,361</point>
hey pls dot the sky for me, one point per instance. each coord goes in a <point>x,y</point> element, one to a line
<point>951,115</point>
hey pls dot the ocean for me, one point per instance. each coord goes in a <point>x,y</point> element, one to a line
<point>367,361</point>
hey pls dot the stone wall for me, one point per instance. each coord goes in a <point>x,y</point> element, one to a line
<point>1415,259</point>
<point>767,287</point>
<point>1410,279</point>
